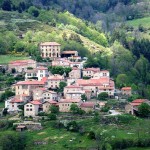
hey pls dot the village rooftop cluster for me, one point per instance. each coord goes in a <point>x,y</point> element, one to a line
<point>38,92</point>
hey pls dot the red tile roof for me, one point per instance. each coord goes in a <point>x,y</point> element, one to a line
<point>42,68</point>
<point>36,102</point>
<point>44,79</point>
<point>126,88</point>
<point>49,44</point>
<point>138,102</point>
<point>69,101</point>
<point>22,62</point>
<point>88,105</point>
<point>16,101</point>
<point>30,83</point>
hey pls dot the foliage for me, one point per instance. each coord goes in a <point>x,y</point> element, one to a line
<point>52,116</point>
<point>91,135</point>
<point>59,70</point>
<point>61,86</point>
<point>13,141</point>
<point>83,97</point>
<point>6,95</point>
<point>102,96</point>
<point>54,109</point>
<point>73,126</point>
<point>76,110</point>
<point>33,11</point>
<point>144,110</point>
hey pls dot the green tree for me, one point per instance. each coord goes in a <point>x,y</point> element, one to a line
<point>52,116</point>
<point>121,80</point>
<point>83,97</point>
<point>144,110</point>
<point>103,96</point>
<point>54,109</point>
<point>33,11</point>
<point>6,5</point>
<point>61,86</point>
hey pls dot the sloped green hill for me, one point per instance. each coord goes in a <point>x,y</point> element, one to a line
<point>50,26</point>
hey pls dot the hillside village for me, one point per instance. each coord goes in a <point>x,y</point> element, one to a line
<point>82,85</point>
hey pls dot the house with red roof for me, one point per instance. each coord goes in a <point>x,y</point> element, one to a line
<point>88,106</point>
<point>61,62</point>
<point>98,86</point>
<point>132,108</point>
<point>75,73</point>
<point>72,88</point>
<point>32,108</point>
<point>39,73</point>
<point>54,80</point>
<point>48,104</point>
<point>89,72</point>
<point>126,91</point>
<point>21,65</point>
<point>101,74</point>
<point>50,50</point>
<point>49,95</point>
<point>64,104</point>
<point>13,102</point>
<point>27,87</point>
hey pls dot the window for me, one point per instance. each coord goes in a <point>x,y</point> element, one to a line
<point>30,105</point>
<point>12,105</point>
<point>27,109</point>
<point>30,109</point>
<point>27,105</point>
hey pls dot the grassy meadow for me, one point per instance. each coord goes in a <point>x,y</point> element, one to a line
<point>5,59</point>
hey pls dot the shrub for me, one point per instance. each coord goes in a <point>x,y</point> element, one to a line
<point>52,116</point>
<point>91,135</point>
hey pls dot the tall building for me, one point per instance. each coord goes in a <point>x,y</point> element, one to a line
<point>50,50</point>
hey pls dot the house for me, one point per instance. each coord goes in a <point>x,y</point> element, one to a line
<point>67,54</point>
<point>126,91</point>
<point>72,88</point>
<point>75,73</point>
<point>27,87</point>
<point>13,102</point>
<point>38,93</point>
<point>132,108</point>
<point>21,65</point>
<point>98,85</point>
<point>12,105</point>
<point>32,108</point>
<point>89,72</point>
<point>74,94</point>
<point>50,50</point>
<point>42,72</point>
<point>64,104</point>
<point>87,106</point>
<point>54,80</point>
<point>101,74</point>
<point>76,64</point>
<point>48,104</point>
<point>61,62</point>
<point>49,95</point>
<point>37,73</point>
<point>31,74</point>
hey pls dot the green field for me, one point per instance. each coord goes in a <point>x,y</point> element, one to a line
<point>57,139</point>
<point>145,22</point>
<point>5,59</point>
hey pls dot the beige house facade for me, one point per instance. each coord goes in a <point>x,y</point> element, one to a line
<point>50,50</point>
